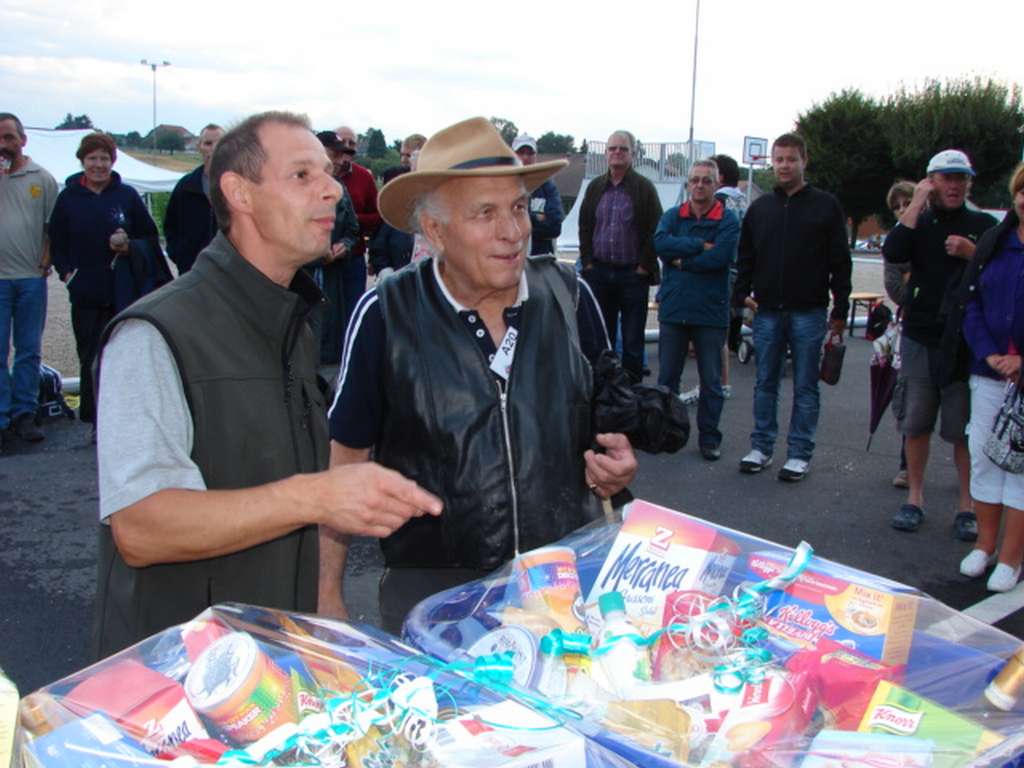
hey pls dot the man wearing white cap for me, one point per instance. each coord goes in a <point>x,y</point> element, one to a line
<point>468,372</point>
<point>546,213</point>
<point>936,234</point>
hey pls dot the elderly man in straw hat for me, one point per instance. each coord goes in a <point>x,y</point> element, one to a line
<point>468,373</point>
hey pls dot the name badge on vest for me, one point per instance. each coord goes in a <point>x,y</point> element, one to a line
<point>502,362</point>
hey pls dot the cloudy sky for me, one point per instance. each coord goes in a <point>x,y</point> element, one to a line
<point>583,69</point>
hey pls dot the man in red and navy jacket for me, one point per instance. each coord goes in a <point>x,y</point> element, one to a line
<point>696,244</point>
<point>363,190</point>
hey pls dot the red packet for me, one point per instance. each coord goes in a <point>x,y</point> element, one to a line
<point>149,706</point>
<point>846,679</point>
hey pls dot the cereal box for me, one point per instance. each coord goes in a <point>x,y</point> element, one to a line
<point>657,552</point>
<point>899,712</point>
<point>824,602</point>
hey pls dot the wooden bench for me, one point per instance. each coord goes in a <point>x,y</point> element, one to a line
<point>864,299</point>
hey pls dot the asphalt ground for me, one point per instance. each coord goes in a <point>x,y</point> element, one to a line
<point>48,508</point>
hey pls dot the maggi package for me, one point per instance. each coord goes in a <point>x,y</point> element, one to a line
<point>251,686</point>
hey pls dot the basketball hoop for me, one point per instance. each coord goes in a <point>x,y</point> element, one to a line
<point>755,151</point>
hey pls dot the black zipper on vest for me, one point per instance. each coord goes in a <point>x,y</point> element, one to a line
<point>503,402</point>
<point>288,375</point>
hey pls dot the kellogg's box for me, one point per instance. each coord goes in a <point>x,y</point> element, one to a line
<point>824,602</point>
<point>657,552</point>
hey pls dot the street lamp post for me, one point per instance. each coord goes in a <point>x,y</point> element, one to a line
<point>153,66</point>
<point>693,87</point>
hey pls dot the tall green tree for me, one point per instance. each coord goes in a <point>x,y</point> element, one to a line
<point>169,141</point>
<point>848,154</point>
<point>72,122</point>
<point>981,117</point>
<point>552,143</point>
<point>376,146</point>
<point>506,128</point>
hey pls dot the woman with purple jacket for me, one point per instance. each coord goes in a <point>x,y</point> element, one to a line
<point>994,330</point>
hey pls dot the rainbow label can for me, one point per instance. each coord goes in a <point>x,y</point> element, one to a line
<point>240,689</point>
<point>549,584</point>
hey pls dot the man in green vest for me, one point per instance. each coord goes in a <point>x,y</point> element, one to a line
<point>212,433</point>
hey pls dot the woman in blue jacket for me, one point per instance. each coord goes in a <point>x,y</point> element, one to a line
<point>993,325</point>
<point>92,225</point>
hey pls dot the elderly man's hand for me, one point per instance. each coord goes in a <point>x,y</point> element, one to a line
<point>368,500</point>
<point>609,472</point>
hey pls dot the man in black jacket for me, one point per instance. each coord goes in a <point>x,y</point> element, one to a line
<point>793,253</point>
<point>467,373</point>
<point>189,223</point>
<point>936,234</point>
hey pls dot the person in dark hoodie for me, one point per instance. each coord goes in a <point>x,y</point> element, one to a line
<point>189,223</point>
<point>93,223</point>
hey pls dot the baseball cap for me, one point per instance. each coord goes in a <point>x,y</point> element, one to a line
<point>329,139</point>
<point>524,140</point>
<point>950,161</point>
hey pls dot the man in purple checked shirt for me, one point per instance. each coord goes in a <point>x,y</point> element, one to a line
<point>618,217</point>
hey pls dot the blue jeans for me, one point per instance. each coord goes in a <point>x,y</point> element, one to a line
<point>673,344</point>
<point>622,295</point>
<point>803,332</point>
<point>22,312</point>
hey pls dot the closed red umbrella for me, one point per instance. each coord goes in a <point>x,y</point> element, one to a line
<point>885,365</point>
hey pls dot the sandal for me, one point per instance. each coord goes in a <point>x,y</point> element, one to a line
<point>965,526</point>
<point>908,518</point>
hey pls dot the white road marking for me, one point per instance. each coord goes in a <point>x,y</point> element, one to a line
<point>998,606</point>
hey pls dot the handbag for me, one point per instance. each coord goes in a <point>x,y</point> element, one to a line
<point>1005,445</point>
<point>832,358</point>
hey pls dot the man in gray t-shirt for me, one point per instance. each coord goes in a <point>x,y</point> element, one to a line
<point>27,195</point>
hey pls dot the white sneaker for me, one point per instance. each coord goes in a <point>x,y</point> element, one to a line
<point>690,396</point>
<point>976,563</point>
<point>727,391</point>
<point>754,462</point>
<point>794,470</point>
<point>1003,578</point>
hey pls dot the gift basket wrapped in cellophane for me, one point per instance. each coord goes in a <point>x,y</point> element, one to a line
<point>245,686</point>
<point>679,642</point>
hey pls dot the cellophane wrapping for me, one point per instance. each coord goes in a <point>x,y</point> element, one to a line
<point>241,685</point>
<point>735,651</point>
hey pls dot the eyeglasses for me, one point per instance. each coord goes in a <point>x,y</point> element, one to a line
<point>701,180</point>
<point>618,149</point>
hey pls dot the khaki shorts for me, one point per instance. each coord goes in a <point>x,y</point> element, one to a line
<point>918,400</point>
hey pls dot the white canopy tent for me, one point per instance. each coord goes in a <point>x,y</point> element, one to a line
<point>55,151</point>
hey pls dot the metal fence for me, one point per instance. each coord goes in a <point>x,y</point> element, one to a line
<point>658,161</point>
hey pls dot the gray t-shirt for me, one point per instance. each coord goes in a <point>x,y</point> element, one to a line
<point>144,428</point>
<point>27,197</point>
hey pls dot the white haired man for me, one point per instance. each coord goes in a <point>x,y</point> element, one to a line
<point>468,374</point>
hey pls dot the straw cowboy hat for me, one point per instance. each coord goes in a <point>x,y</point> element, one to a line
<point>464,150</point>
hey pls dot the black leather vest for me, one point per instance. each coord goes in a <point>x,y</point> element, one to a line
<point>509,469</point>
<point>247,360</point>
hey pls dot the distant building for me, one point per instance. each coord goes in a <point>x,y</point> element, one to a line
<point>191,141</point>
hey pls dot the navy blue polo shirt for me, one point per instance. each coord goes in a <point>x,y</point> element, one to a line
<point>356,415</point>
